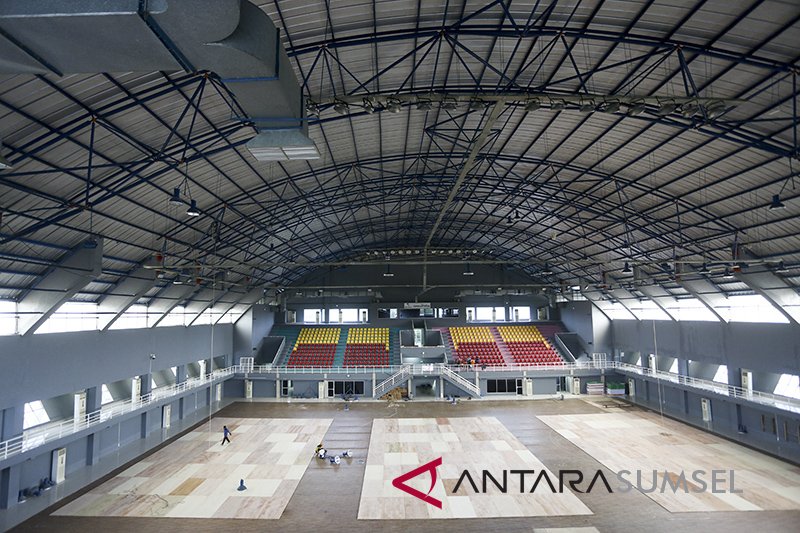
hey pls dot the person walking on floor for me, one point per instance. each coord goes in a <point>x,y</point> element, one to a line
<point>225,433</point>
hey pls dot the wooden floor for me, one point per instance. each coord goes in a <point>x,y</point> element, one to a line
<point>471,443</point>
<point>198,476</point>
<point>328,498</point>
<point>663,448</point>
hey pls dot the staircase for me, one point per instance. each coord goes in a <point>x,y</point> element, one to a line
<point>401,376</point>
<point>448,343</point>
<point>461,382</point>
<point>290,334</point>
<point>394,346</point>
<point>501,344</point>
<point>393,381</point>
<point>341,346</point>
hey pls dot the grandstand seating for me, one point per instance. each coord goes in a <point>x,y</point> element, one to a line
<point>315,347</point>
<point>477,343</point>
<point>528,346</point>
<point>367,347</point>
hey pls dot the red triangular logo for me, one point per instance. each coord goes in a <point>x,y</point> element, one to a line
<point>400,482</point>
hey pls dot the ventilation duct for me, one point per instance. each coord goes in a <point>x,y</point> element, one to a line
<point>232,38</point>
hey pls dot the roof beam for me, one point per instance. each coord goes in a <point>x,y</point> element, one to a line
<point>774,289</point>
<point>127,293</point>
<point>69,276</point>
<point>168,300</point>
<point>707,293</point>
<point>466,167</point>
<point>659,296</point>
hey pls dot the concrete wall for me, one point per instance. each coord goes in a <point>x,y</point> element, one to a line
<point>773,348</point>
<point>44,366</point>
<point>726,414</point>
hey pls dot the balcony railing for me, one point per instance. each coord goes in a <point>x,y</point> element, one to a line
<point>41,435</point>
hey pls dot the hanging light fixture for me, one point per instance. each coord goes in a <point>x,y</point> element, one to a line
<point>468,271</point>
<point>312,108</point>
<point>586,106</point>
<point>476,104</point>
<point>727,274</point>
<point>689,109</point>
<point>341,107</point>
<point>388,273</point>
<point>611,106</point>
<point>704,269</point>
<point>636,107</point>
<point>666,107</point>
<point>193,211</point>
<point>393,105</point>
<point>424,104</point>
<point>368,105</point>
<point>449,104</point>
<point>547,271</point>
<point>533,104</point>
<point>627,269</point>
<point>715,109</point>
<point>776,203</point>
<point>781,268</point>
<point>175,199</point>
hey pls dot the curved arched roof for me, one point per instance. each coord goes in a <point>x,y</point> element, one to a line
<point>581,191</point>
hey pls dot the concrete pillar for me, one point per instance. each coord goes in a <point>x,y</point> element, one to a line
<point>180,374</point>
<point>94,400</point>
<point>9,486</point>
<point>13,419</point>
<point>683,369</point>
<point>147,388</point>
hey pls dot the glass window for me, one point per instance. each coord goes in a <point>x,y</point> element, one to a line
<point>690,309</point>
<point>788,385</point>
<point>490,314</point>
<point>176,317</point>
<point>521,313</point>
<point>106,396</point>
<point>8,317</point>
<point>617,311</point>
<point>135,317</point>
<point>722,374</point>
<point>34,415</point>
<point>312,316</point>
<point>72,316</point>
<point>647,310</point>
<point>750,308</point>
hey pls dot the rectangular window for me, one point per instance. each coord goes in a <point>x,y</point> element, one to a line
<point>750,308</point>
<point>34,415</point>
<point>504,386</point>
<point>521,314</point>
<point>312,316</point>
<point>72,316</point>
<point>8,317</point>
<point>345,388</point>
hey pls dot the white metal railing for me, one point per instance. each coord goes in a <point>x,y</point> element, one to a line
<point>40,435</point>
<point>390,382</point>
<point>459,380</point>
<point>781,402</point>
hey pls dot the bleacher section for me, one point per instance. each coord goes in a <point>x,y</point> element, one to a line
<point>315,347</point>
<point>367,347</point>
<point>475,343</point>
<point>528,346</point>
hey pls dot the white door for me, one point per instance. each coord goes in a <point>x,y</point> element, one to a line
<point>219,392</point>
<point>248,389</point>
<point>58,467</point>
<point>747,382</point>
<point>322,389</point>
<point>705,404</point>
<point>631,388</point>
<point>166,416</point>
<point>80,408</point>
<point>576,385</point>
<point>136,389</point>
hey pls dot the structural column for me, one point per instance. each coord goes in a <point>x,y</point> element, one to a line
<point>11,427</point>
<point>180,377</point>
<point>147,388</point>
<point>94,401</point>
